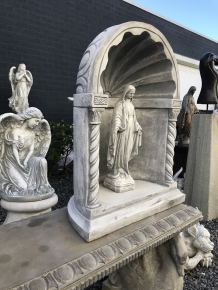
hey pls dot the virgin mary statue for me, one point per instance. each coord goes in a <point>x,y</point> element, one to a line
<point>125,138</point>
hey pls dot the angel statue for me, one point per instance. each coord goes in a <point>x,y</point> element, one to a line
<point>21,83</point>
<point>125,138</point>
<point>24,142</point>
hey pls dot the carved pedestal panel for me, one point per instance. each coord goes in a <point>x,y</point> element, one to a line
<point>147,254</point>
<point>160,269</point>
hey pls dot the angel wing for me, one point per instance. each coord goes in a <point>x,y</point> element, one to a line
<point>31,81</point>
<point>42,138</point>
<point>8,120</point>
<point>12,78</point>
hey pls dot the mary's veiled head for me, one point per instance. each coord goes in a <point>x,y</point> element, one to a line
<point>127,88</point>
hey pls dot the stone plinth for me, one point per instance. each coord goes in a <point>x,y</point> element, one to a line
<point>45,252</point>
<point>118,210</point>
<point>201,186</point>
<point>22,210</point>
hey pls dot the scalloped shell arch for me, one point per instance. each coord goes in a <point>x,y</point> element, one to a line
<point>130,53</point>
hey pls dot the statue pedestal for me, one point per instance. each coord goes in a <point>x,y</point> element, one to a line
<point>120,183</point>
<point>119,210</point>
<point>23,210</point>
<point>201,184</point>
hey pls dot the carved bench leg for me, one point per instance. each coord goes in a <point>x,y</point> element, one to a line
<point>159,269</point>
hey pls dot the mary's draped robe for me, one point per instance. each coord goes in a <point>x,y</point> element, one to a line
<point>125,137</point>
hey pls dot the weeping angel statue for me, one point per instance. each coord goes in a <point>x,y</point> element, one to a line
<point>21,83</point>
<point>24,142</point>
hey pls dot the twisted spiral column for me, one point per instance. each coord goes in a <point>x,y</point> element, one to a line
<point>95,116</point>
<point>173,113</point>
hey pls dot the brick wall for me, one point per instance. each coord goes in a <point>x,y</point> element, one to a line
<point>50,37</point>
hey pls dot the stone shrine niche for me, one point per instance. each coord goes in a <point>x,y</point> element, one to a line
<point>137,54</point>
<point>143,61</point>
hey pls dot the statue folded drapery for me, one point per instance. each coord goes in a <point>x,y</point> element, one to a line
<point>125,138</point>
<point>21,83</point>
<point>185,117</point>
<point>24,142</point>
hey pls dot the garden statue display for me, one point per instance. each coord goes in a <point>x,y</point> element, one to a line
<point>127,96</point>
<point>185,116</point>
<point>21,83</point>
<point>209,77</point>
<point>124,140</point>
<point>25,138</point>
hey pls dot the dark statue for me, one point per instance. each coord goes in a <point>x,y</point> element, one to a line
<point>185,116</point>
<point>209,77</point>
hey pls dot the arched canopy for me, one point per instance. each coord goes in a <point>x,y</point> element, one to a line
<point>130,53</point>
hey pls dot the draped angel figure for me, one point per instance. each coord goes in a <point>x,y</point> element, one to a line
<point>21,83</point>
<point>125,135</point>
<point>24,142</point>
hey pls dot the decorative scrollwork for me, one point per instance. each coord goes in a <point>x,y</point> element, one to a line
<point>100,100</point>
<point>177,103</point>
<point>86,64</point>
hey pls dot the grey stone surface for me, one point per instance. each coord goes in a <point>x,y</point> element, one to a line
<point>149,164</point>
<point>119,210</point>
<point>161,268</point>
<point>201,184</point>
<point>134,47</point>
<point>48,252</point>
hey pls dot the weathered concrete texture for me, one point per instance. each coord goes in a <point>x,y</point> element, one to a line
<point>161,268</point>
<point>149,164</point>
<point>120,210</point>
<point>45,252</point>
<point>201,186</point>
<point>137,54</point>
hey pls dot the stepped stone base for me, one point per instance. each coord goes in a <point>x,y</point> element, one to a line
<point>122,183</point>
<point>121,209</point>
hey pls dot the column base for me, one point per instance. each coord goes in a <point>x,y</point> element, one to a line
<point>23,210</point>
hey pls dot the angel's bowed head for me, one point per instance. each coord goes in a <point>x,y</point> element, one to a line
<point>24,142</point>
